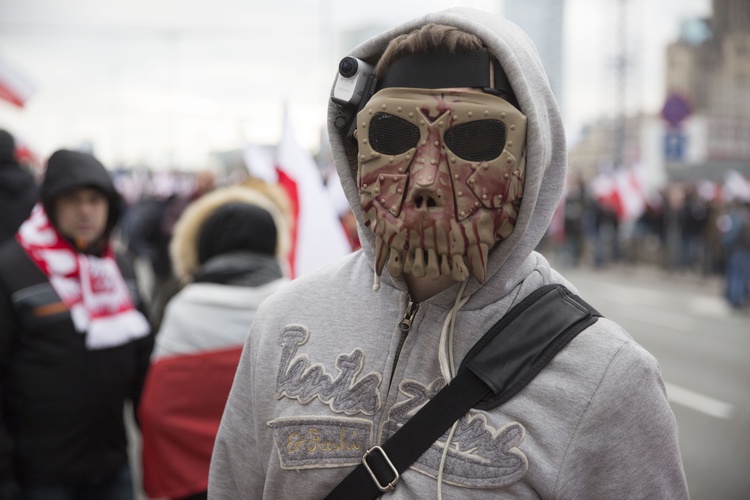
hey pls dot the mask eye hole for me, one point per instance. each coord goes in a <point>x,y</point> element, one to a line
<point>391,135</point>
<point>481,140</point>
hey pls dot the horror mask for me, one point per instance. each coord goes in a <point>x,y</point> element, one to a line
<point>440,175</point>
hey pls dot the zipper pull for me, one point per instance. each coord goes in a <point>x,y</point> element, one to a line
<point>411,311</point>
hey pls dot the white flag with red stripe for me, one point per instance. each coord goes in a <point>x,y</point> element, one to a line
<point>15,87</point>
<point>632,192</point>
<point>624,191</point>
<point>319,237</point>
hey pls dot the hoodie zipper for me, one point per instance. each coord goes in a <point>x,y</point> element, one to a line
<point>405,327</point>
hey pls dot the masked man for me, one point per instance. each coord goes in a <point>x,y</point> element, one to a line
<point>74,346</point>
<point>458,165</point>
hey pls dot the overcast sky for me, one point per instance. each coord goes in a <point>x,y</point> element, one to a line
<point>166,82</point>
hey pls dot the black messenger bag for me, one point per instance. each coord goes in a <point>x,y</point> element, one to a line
<point>499,365</point>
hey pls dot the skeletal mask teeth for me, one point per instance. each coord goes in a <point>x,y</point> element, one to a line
<point>478,260</point>
<point>395,263</point>
<point>381,255</point>
<point>505,230</point>
<point>418,269</point>
<point>445,265</point>
<point>408,261</point>
<point>460,271</point>
<point>433,264</point>
<point>398,240</point>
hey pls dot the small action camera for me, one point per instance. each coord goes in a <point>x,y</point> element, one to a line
<point>354,85</point>
<point>351,81</point>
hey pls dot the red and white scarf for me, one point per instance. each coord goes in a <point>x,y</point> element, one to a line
<point>91,287</point>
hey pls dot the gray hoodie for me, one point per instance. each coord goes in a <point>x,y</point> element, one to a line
<point>327,372</point>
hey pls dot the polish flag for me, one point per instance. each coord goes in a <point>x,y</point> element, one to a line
<point>604,190</point>
<point>319,237</point>
<point>625,191</point>
<point>15,87</point>
<point>632,193</point>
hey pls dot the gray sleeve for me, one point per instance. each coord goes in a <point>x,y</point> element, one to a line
<point>625,445</point>
<point>236,469</point>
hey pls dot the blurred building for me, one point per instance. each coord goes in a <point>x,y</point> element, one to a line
<point>597,147</point>
<point>703,128</point>
<point>709,68</point>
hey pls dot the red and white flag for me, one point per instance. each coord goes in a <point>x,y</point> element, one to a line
<point>15,87</point>
<point>319,237</point>
<point>624,191</point>
<point>632,189</point>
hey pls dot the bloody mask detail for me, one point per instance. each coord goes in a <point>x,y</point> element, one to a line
<point>440,177</point>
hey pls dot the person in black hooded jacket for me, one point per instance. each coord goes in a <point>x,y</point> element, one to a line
<point>74,342</point>
<point>18,190</point>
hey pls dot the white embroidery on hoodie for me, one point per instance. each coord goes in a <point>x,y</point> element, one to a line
<point>479,456</point>
<point>320,442</point>
<point>298,379</point>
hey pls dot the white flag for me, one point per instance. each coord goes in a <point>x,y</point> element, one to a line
<point>260,163</point>
<point>319,236</point>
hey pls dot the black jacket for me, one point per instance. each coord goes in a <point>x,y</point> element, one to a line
<point>62,404</point>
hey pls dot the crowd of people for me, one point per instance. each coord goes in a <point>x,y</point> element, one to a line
<point>82,341</point>
<point>246,383</point>
<point>694,228</point>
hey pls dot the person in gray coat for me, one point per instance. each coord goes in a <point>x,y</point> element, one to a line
<point>454,171</point>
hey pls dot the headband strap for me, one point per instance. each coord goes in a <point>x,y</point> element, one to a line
<point>445,70</point>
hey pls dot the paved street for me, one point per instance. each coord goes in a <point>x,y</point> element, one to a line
<point>703,348</point>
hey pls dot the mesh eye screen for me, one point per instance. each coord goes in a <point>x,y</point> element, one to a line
<point>391,135</point>
<point>481,140</point>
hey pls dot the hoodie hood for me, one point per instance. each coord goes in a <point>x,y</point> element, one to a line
<point>68,170</point>
<point>546,156</point>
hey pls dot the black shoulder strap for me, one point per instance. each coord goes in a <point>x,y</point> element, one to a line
<point>496,368</point>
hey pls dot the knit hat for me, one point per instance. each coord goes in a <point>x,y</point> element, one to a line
<point>7,148</point>
<point>235,227</point>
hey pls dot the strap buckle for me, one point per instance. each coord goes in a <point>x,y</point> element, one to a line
<point>381,487</point>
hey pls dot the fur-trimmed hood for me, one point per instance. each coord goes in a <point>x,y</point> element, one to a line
<point>183,248</point>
